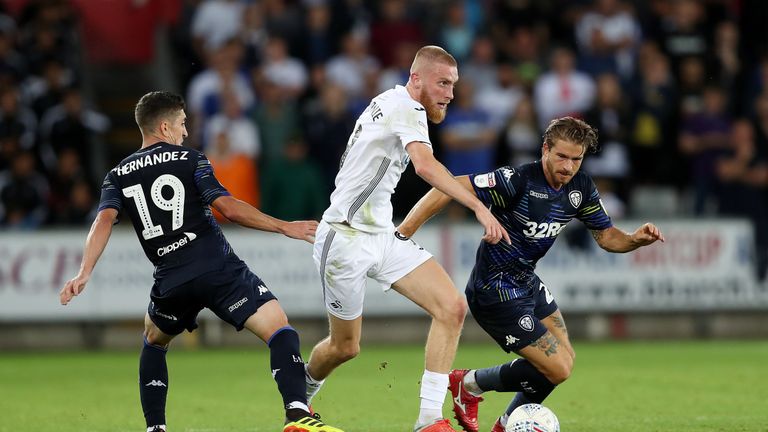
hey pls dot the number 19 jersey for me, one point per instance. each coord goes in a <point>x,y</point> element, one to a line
<point>375,159</point>
<point>166,190</point>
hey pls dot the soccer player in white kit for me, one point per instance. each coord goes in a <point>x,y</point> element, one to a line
<point>357,239</point>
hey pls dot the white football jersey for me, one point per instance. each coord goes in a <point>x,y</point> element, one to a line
<point>375,159</point>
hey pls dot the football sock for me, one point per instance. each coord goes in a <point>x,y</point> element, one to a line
<point>434,386</point>
<point>519,399</point>
<point>313,385</point>
<point>288,368</point>
<point>470,384</point>
<point>519,375</point>
<point>153,383</point>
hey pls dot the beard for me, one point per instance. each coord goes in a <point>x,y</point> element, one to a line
<point>434,113</point>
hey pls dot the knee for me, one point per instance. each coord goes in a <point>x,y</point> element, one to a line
<point>559,372</point>
<point>345,351</point>
<point>452,311</point>
<point>155,337</point>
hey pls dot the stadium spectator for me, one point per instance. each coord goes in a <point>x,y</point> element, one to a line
<point>500,97</point>
<point>23,194</point>
<point>71,125</point>
<point>506,297</point>
<point>305,195</point>
<point>393,27</point>
<point>563,90</point>
<point>611,116</point>
<point>236,171</point>
<point>522,135</point>
<point>608,36</point>
<point>467,135</point>
<point>703,138</point>
<point>16,119</point>
<point>282,69</point>
<point>242,134</point>
<point>356,238</point>
<point>327,123</point>
<point>277,117</point>
<point>215,22</point>
<point>195,266</point>
<point>353,66</point>
<point>743,186</point>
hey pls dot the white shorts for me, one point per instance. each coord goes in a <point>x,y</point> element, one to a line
<point>344,257</point>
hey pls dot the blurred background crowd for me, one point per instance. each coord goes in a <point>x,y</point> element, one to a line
<point>678,90</point>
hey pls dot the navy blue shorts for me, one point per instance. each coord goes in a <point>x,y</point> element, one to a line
<point>516,323</point>
<point>233,293</point>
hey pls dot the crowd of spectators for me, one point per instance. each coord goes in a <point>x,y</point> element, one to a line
<point>678,90</point>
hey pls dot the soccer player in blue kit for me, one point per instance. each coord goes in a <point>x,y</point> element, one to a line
<point>533,202</point>
<point>167,191</point>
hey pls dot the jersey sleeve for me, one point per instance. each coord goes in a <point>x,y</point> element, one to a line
<point>591,212</point>
<point>207,183</point>
<point>110,193</point>
<point>498,188</point>
<point>409,123</point>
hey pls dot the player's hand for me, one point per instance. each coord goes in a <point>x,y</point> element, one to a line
<point>73,287</point>
<point>301,230</point>
<point>647,234</point>
<point>494,232</point>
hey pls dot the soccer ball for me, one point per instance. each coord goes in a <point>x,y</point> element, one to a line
<point>532,418</point>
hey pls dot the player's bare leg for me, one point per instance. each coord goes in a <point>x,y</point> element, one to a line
<point>153,375</point>
<point>430,287</point>
<point>556,325</point>
<point>343,344</point>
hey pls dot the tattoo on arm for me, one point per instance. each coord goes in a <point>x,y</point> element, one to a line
<point>559,323</point>
<point>598,235</point>
<point>547,343</point>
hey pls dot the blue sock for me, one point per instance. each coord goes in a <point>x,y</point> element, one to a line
<point>518,375</point>
<point>288,368</point>
<point>153,383</point>
<point>519,399</point>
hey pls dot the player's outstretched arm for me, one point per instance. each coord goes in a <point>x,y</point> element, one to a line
<point>95,243</point>
<point>429,205</point>
<point>246,215</point>
<point>615,240</point>
<point>434,173</point>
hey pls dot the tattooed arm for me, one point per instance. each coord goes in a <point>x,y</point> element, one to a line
<point>615,240</point>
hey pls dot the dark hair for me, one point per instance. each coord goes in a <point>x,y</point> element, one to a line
<point>572,130</point>
<point>155,106</point>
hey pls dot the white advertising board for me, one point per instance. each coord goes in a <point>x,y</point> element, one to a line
<point>703,265</point>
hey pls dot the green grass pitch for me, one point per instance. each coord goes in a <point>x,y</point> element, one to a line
<point>627,387</point>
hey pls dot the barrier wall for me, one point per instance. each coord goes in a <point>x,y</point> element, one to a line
<point>704,265</point>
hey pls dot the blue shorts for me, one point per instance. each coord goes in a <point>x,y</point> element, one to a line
<point>233,293</point>
<point>516,323</point>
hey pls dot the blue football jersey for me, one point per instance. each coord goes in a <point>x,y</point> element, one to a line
<point>167,190</point>
<point>533,213</point>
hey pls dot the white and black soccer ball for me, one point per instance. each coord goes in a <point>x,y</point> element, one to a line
<point>532,418</point>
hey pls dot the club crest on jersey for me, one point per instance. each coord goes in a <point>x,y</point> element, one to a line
<point>526,323</point>
<point>575,198</point>
<point>485,180</point>
<point>507,172</point>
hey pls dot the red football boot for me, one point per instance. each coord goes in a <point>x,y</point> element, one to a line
<point>464,403</point>
<point>442,425</point>
<point>498,427</point>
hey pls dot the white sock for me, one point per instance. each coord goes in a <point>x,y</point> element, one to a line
<point>313,385</point>
<point>470,384</point>
<point>503,419</point>
<point>151,428</point>
<point>434,386</point>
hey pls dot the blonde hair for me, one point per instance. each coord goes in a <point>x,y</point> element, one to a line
<point>432,54</point>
